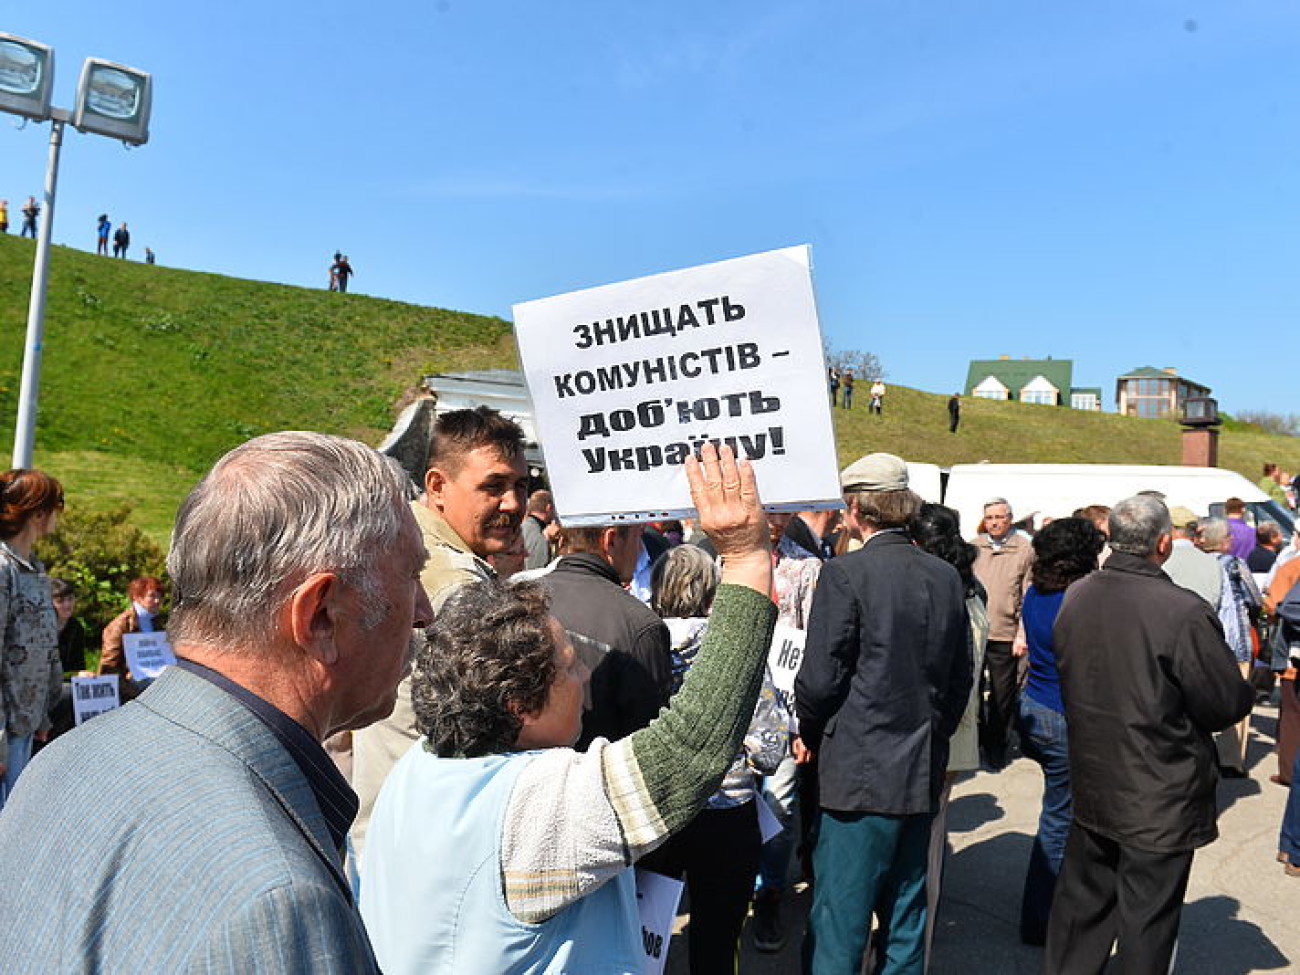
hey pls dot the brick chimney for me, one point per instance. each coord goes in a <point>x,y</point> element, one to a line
<point>1200,447</point>
<point>1200,423</point>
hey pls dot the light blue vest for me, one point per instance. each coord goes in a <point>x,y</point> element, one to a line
<point>431,885</point>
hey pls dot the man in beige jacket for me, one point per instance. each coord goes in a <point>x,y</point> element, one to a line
<point>1002,567</point>
<point>475,490</point>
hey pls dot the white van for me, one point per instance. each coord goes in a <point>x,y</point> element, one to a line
<point>1057,490</point>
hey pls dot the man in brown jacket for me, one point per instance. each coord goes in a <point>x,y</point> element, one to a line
<point>1002,567</point>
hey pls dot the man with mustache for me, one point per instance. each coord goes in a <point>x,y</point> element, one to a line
<point>475,490</point>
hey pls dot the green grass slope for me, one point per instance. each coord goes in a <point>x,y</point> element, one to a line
<point>151,373</point>
<point>915,426</point>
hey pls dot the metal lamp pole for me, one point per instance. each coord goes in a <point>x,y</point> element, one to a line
<point>25,428</point>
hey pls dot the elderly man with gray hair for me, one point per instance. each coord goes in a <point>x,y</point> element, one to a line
<point>1147,678</point>
<point>200,827</point>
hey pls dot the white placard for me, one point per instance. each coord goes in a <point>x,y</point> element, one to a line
<point>627,380</point>
<point>92,696</point>
<point>657,898</point>
<point>147,654</point>
<point>783,659</point>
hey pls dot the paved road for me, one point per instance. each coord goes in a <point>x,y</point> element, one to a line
<point>1241,910</point>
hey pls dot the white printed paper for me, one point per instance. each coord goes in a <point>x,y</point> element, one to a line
<point>147,654</point>
<point>783,659</point>
<point>627,380</point>
<point>93,695</point>
<point>657,898</point>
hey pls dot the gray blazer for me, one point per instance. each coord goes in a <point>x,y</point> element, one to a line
<point>175,834</point>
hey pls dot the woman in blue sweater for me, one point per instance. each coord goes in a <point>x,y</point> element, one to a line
<point>1064,551</point>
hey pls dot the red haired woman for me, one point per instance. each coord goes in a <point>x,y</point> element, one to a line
<point>30,671</point>
<point>142,616</point>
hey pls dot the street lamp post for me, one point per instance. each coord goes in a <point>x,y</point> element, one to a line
<point>25,426</point>
<point>112,100</point>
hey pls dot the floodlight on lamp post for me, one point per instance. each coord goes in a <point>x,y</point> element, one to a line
<point>112,100</point>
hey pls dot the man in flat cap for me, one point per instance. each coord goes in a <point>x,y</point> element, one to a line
<point>885,677</point>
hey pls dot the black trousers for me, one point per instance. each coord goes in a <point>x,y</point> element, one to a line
<point>1108,892</point>
<point>718,853</point>
<point>1002,679</point>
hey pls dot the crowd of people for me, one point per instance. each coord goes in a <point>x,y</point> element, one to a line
<point>104,232</point>
<point>540,716</point>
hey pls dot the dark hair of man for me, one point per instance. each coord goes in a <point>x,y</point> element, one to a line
<point>60,588</point>
<point>885,509</point>
<point>937,530</point>
<point>1234,506</point>
<point>1270,470</point>
<point>1267,533</point>
<point>458,432</point>
<point>489,658</point>
<point>586,538</point>
<point>1065,550</point>
<point>539,501</point>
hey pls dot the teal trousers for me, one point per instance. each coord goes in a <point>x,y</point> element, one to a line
<point>864,864</point>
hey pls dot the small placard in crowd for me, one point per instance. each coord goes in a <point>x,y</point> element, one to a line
<point>783,661</point>
<point>92,696</point>
<point>657,898</point>
<point>628,380</point>
<point>147,654</point>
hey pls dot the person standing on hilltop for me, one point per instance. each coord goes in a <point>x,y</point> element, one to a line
<point>102,228</point>
<point>4,216</point>
<point>31,210</point>
<point>340,272</point>
<point>954,412</point>
<point>877,404</point>
<point>121,241</point>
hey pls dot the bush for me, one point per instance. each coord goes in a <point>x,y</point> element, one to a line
<point>100,552</point>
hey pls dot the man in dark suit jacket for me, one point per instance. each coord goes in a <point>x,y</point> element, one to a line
<point>885,677</point>
<point>199,827</point>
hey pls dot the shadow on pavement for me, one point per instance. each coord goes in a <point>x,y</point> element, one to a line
<point>978,928</point>
<point>970,812</point>
<point>1213,940</point>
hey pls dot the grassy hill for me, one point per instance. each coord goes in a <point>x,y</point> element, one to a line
<point>150,373</point>
<point>915,426</point>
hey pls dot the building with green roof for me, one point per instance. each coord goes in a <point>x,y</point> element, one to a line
<point>1047,382</point>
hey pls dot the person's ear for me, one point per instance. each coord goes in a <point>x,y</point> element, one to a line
<point>434,482</point>
<point>608,542</point>
<point>313,613</point>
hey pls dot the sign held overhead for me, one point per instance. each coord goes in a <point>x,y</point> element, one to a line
<point>630,379</point>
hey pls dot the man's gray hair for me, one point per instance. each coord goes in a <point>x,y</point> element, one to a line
<point>992,501</point>
<point>269,514</point>
<point>1212,533</point>
<point>1137,523</point>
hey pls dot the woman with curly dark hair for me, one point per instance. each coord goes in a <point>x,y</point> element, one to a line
<point>1064,551</point>
<point>494,845</point>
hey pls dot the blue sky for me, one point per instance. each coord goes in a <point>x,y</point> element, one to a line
<point>1111,182</point>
